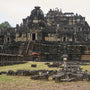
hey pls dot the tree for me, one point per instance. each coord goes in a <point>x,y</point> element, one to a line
<point>4,24</point>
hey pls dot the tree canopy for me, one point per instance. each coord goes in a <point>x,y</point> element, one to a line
<point>4,25</point>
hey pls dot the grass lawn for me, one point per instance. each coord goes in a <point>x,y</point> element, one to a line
<point>27,66</point>
<point>25,83</point>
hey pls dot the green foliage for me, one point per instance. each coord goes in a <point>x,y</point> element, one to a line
<point>4,24</point>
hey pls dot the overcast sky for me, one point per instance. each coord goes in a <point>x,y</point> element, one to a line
<point>14,11</point>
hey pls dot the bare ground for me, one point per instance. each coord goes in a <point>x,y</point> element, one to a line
<point>25,83</point>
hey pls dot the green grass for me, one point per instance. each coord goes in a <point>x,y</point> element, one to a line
<point>87,67</point>
<point>6,78</point>
<point>40,65</point>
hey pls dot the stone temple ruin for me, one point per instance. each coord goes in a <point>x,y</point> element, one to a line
<point>51,36</point>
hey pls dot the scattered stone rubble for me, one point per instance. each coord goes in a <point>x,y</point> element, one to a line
<point>71,72</point>
<point>55,64</point>
<point>33,65</point>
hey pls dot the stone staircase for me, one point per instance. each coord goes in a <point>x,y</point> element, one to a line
<point>26,48</point>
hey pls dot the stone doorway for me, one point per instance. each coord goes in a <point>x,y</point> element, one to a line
<point>33,36</point>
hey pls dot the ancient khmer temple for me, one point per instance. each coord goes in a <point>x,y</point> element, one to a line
<point>50,36</point>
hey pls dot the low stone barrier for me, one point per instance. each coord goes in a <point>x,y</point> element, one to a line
<point>5,63</point>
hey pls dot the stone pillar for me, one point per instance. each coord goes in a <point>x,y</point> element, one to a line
<point>49,37</point>
<point>75,39</point>
<point>36,38</point>
<point>66,37</point>
<point>62,38</point>
<point>28,36</point>
<point>31,36</point>
<point>65,56</point>
<point>5,40</point>
<point>22,37</point>
<point>87,50</point>
<point>65,65</point>
<point>56,37</point>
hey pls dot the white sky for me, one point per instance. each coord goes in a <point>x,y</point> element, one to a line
<point>14,11</point>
